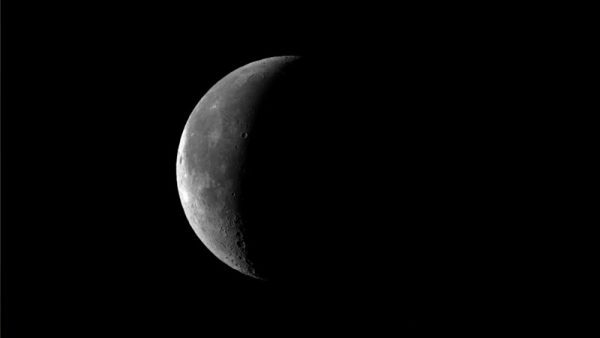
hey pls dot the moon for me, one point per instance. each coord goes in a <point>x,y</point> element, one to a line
<point>228,167</point>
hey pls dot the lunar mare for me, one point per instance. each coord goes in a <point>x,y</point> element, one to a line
<point>210,160</point>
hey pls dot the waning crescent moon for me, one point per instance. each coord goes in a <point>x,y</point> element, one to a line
<point>210,160</point>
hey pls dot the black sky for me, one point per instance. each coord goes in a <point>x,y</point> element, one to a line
<point>94,239</point>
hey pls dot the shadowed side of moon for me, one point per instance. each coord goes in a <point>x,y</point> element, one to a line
<point>269,166</point>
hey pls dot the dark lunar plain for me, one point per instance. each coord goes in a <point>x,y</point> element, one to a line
<point>391,182</point>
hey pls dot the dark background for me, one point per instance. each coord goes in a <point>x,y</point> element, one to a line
<point>420,124</point>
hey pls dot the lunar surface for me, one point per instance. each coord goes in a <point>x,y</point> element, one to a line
<point>226,164</point>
